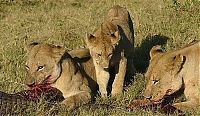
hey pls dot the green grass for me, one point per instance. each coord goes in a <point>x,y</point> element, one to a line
<point>172,23</point>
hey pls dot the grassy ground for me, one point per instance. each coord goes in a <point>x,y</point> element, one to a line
<point>172,23</point>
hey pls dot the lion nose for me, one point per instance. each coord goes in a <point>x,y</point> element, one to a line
<point>30,81</point>
<point>31,85</point>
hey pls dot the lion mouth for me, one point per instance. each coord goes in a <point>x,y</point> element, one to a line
<point>155,102</point>
<point>31,85</point>
<point>165,100</point>
<point>160,101</point>
<point>36,91</point>
<point>46,80</point>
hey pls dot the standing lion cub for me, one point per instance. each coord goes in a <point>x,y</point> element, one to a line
<point>51,64</point>
<point>111,48</point>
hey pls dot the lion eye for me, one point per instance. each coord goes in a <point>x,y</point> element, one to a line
<point>109,55</point>
<point>99,55</point>
<point>155,82</point>
<point>40,68</point>
<point>27,67</point>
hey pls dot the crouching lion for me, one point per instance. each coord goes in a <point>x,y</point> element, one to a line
<point>111,48</point>
<point>74,77</point>
<point>169,72</point>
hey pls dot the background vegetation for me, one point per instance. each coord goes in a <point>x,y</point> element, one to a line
<point>172,23</point>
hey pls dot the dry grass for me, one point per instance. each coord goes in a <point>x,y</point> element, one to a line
<point>173,23</point>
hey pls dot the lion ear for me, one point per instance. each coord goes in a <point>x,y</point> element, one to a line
<point>58,52</point>
<point>30,46</point>
<point>115,38</point>
<point>178,62</point>
<point>90,39</point>
<point>155,50</point>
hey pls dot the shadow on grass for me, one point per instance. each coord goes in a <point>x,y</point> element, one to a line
<point>141,55</point>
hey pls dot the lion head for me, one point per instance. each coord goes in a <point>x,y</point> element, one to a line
<point>102,44</point>
<point>163,74</point>
<point>43,63</point>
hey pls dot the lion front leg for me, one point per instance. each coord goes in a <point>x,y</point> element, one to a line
<point>191,93</point>
<point>117,86</point>
<point>77,100</point>
<point>102,80</point>
<point>186,106</point>
<point>192,102</point>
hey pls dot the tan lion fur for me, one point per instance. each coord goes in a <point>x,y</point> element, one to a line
<point>74,77</point>
<point>111,46</point>
<point>169,72</point>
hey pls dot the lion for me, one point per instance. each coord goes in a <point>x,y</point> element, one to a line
<point>172,71</point>
<point>111,48</point>
<point>74,77</point>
